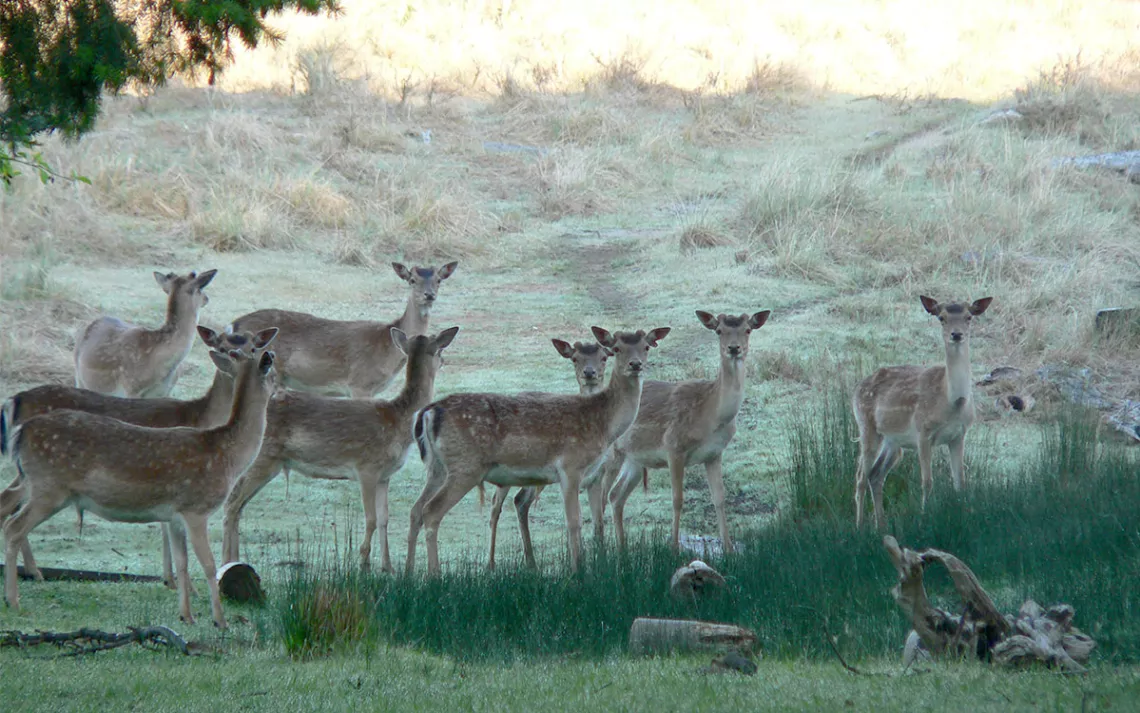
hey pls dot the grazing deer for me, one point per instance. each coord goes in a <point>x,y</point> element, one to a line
<point>917,407</point>
<point>122,359</point>
<point>212,409</point>
<point>589,359</point>
<point>525,440</point>
<point>131,473</point>
<point>356,358</point>
<point>343,439</point>
<point>688,423</point>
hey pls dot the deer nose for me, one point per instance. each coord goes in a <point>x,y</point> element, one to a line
<point>734,351</point>
<point>635,364</point>
<point>589,373</point>
<point>429,296</point>
<point>956,336</point>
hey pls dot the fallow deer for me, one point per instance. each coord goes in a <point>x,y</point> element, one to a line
<point>525,440</point>
<point>343,439</point>
<point>355,358</point>
<point>207,411</point>
<point>688,423</point>
<point>131,473</point>
<point>122,359</point>
<point>917,407</point>
<point>589,360</point>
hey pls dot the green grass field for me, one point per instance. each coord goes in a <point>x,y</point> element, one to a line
<point>625,191</point>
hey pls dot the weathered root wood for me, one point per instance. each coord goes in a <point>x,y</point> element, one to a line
<point>1035,636</point>
<point>86,641</point>
<point>649,636</point>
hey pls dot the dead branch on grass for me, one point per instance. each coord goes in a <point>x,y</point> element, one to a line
<point>87,641</point>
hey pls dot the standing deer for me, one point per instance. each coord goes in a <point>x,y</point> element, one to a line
<point>589,360</point>
<point>525,440</point>
<point>130,473</point>
<point>356,358</point>
<point>917,407</point>
<point>122,359</point>
<point>688,423</point>
<point>212,409</point>
<point>343,439</point>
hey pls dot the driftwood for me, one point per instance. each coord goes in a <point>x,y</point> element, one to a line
<point>1034,636</point>
<point>696,580</point>
<point>651,636</point>
<point>86,641</point>
<point>85,575</point>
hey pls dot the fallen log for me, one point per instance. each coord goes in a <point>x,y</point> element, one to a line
<point>1034,636</point>
<point>655,636</point>
<point>85,575</point>
<point>86,641</point>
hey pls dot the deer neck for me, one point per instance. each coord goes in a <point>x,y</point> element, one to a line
<point>218,401</point>
<point>242,434</point>
<point>622,396</point>
<point>729,386</point>
<point>419,385</point>
<point>414,320</point>
<point>181,319</point>
<point>958,382</point>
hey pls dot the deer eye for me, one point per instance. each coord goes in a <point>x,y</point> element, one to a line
<point>941,318</point>
<point>748,331</point>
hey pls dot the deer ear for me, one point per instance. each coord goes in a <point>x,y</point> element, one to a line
<point>204,279</point>
<point>708,320</point>
<point>263,338</point>
<point>564,348</point>
<point>400,339</point>
<point>222,362</point>
<point>165,281</point>
<point>929,304</point>
<point>266,362</point>
<point>403,272</point>
<point>757,320</point>
<point>656,335</point>
<point>444,339</point>
<point>446,270</point>
<point>604,338</point>
<point>980,306</point>
<point>209,336</point>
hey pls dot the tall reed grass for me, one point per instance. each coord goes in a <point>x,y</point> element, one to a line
<point>1063,528</point>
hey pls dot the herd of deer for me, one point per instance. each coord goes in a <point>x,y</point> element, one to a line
<point>116,445</point>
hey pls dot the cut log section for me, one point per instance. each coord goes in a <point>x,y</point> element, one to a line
<point>658,636</point>
<point>1034,636</point>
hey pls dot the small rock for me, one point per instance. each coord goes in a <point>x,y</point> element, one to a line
<point>1003,117</point>
<point>1001,373</point>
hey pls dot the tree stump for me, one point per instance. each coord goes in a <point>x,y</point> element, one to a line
<point>696,580</point>
<point>1034,636</point>
<point>240,582</point>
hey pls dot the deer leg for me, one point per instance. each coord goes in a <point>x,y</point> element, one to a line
<point>247,485</point>
<point>176,545</point>
<point>436,478</point>
<point>31,513</point>
<point>382,524</point>
<point>677,479</point>
<point>368,495</point>
<point>439,505</point>
<point>596,494</point>
<point>571,484</point>
<point>525,498</point>
<point>497,501</point>
<point>10,500</point>
<point>622,489</point>
<point>715,476</point>
<point>925,453</point>
<point>196,528</point>
<point>957,470</point>
<point>869,445</point>
<point>877,475</point>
